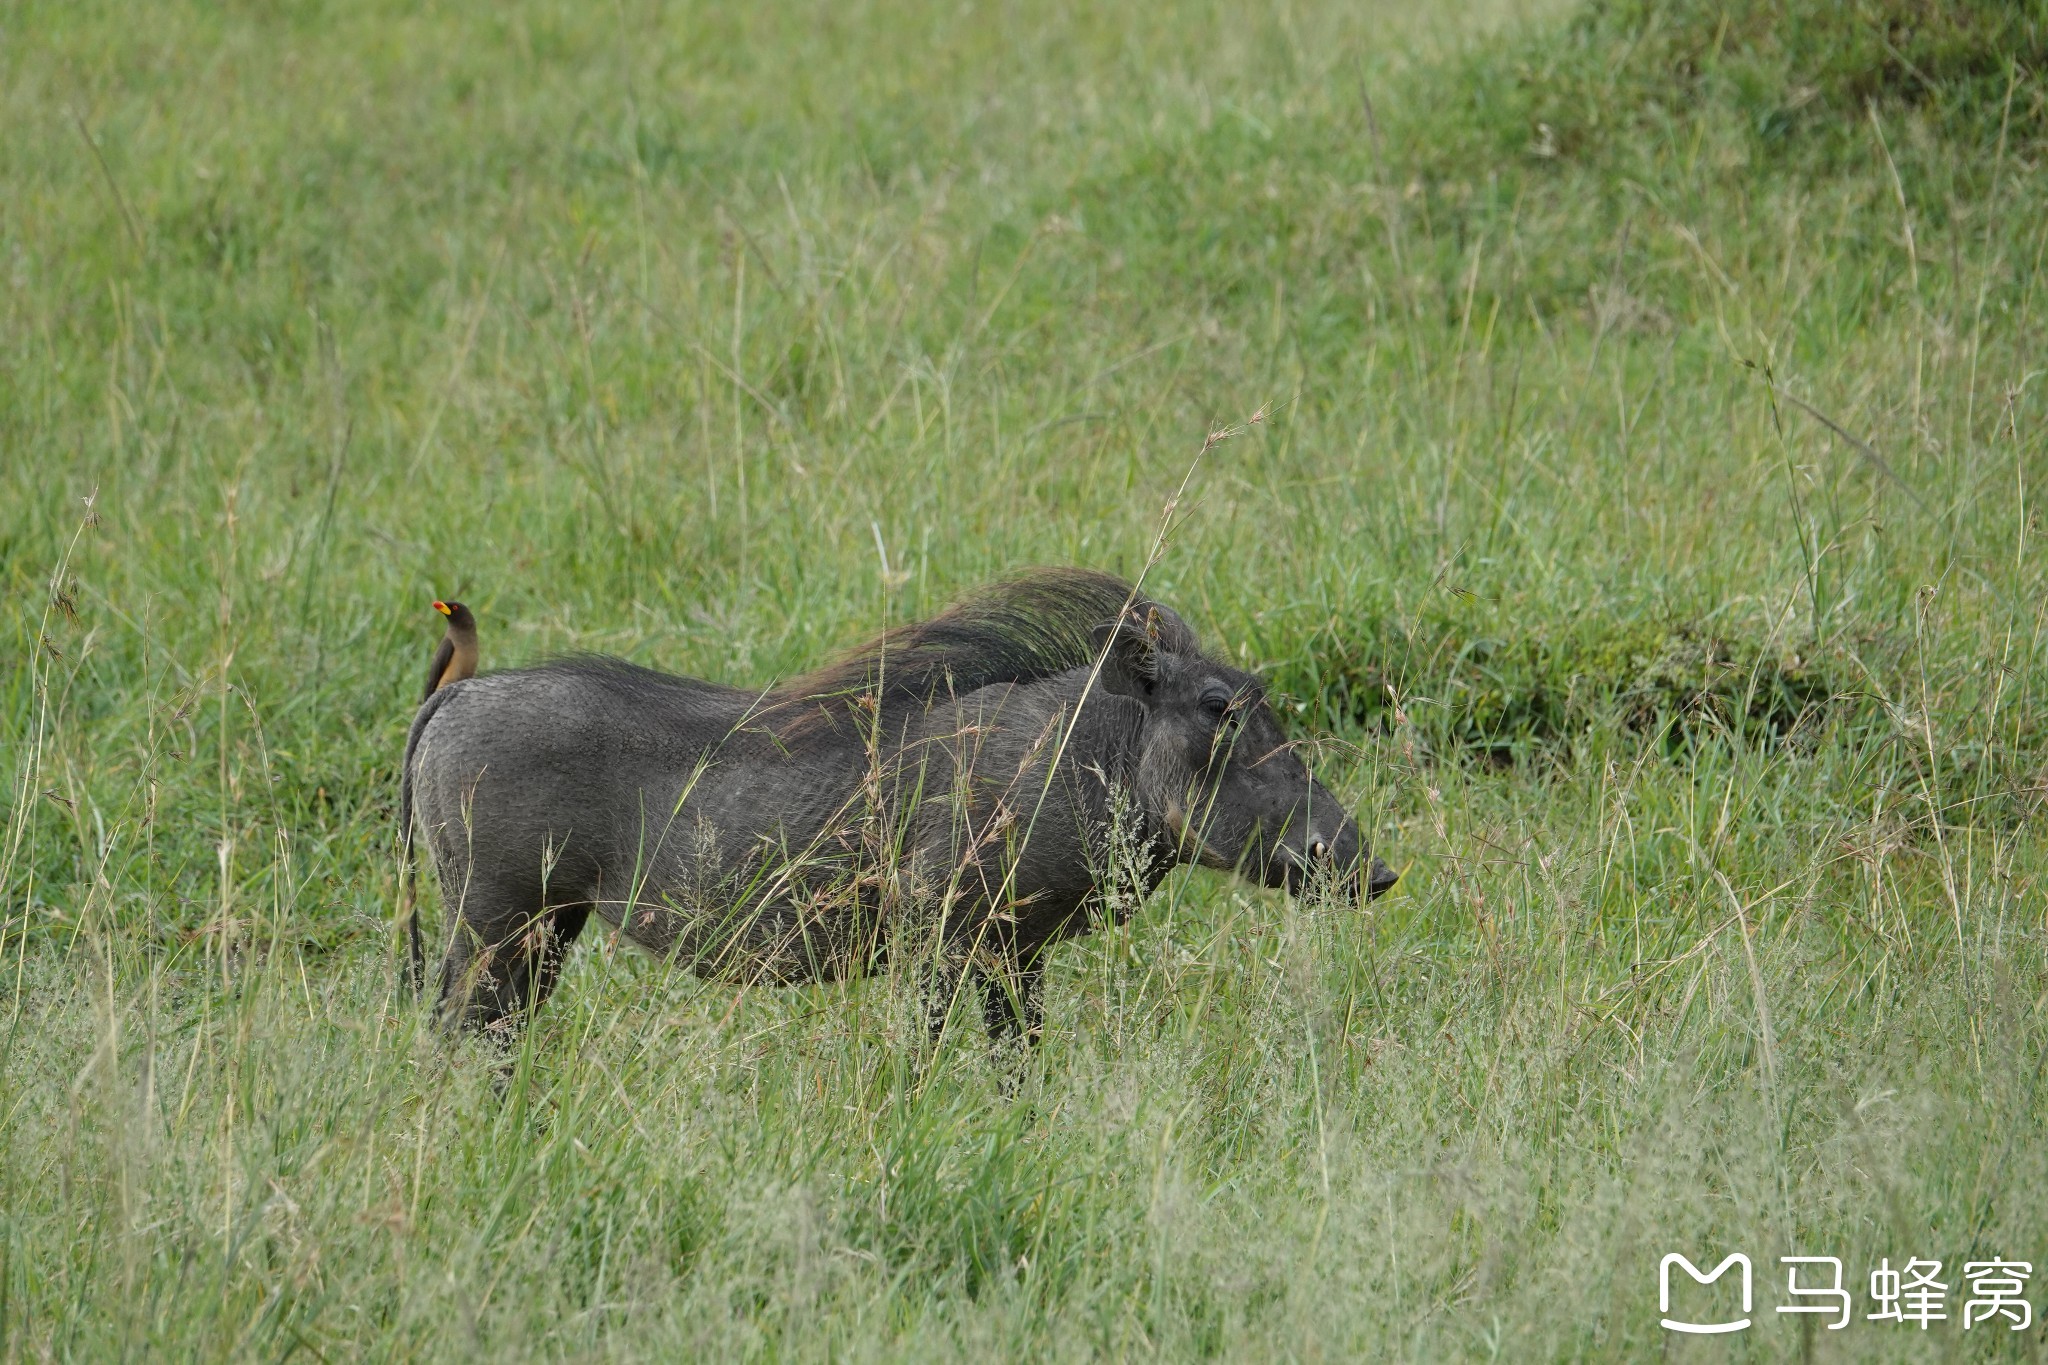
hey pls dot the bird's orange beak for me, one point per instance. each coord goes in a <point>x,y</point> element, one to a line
<point>444,608</point>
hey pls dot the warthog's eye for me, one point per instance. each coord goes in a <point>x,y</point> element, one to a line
<point>1216,703</point>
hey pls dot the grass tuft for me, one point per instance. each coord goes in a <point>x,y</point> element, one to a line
<point>1642,521</point>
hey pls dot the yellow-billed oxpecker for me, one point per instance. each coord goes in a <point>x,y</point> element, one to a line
<point>456,657</point>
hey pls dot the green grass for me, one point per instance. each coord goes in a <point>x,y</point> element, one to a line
<point>718,337</point>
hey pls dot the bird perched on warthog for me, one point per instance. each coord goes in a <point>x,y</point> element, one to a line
<point>982,785</point>
<point>455,657</point>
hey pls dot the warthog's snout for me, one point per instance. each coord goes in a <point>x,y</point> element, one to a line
<point>1341,851</point>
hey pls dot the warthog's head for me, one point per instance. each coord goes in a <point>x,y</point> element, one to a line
<point>1216,772</point>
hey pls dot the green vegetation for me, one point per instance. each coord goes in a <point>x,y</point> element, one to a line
<point>1643,508</point>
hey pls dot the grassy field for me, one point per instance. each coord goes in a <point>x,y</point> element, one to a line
<point>1640,506</point>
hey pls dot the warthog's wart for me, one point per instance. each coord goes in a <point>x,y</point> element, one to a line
<point>980,785</point>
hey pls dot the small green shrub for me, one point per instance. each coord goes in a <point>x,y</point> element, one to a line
<point>1790,79</point>
<point>1501,698</point>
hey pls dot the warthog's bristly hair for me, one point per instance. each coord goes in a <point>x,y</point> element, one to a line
<point>1020,630</point>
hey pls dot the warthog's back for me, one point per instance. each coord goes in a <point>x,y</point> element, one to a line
<point>554,765</point>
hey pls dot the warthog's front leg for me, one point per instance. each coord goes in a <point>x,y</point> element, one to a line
<point>1013,1001</point>
<point>1011,991</point>
<point>943,975</point>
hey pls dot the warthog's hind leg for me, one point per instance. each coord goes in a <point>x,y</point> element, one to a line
<point>499,971</point>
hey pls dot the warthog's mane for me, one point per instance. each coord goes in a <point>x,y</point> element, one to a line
<point>1018,630</point>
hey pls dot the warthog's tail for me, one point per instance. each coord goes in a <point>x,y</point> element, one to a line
<point>408,890</point>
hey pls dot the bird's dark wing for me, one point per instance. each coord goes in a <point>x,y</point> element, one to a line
<point>436,669</point>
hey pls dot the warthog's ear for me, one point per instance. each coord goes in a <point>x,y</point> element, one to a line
<point>1130,659</point>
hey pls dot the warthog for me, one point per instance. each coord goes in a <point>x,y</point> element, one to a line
<point>998,777</point>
